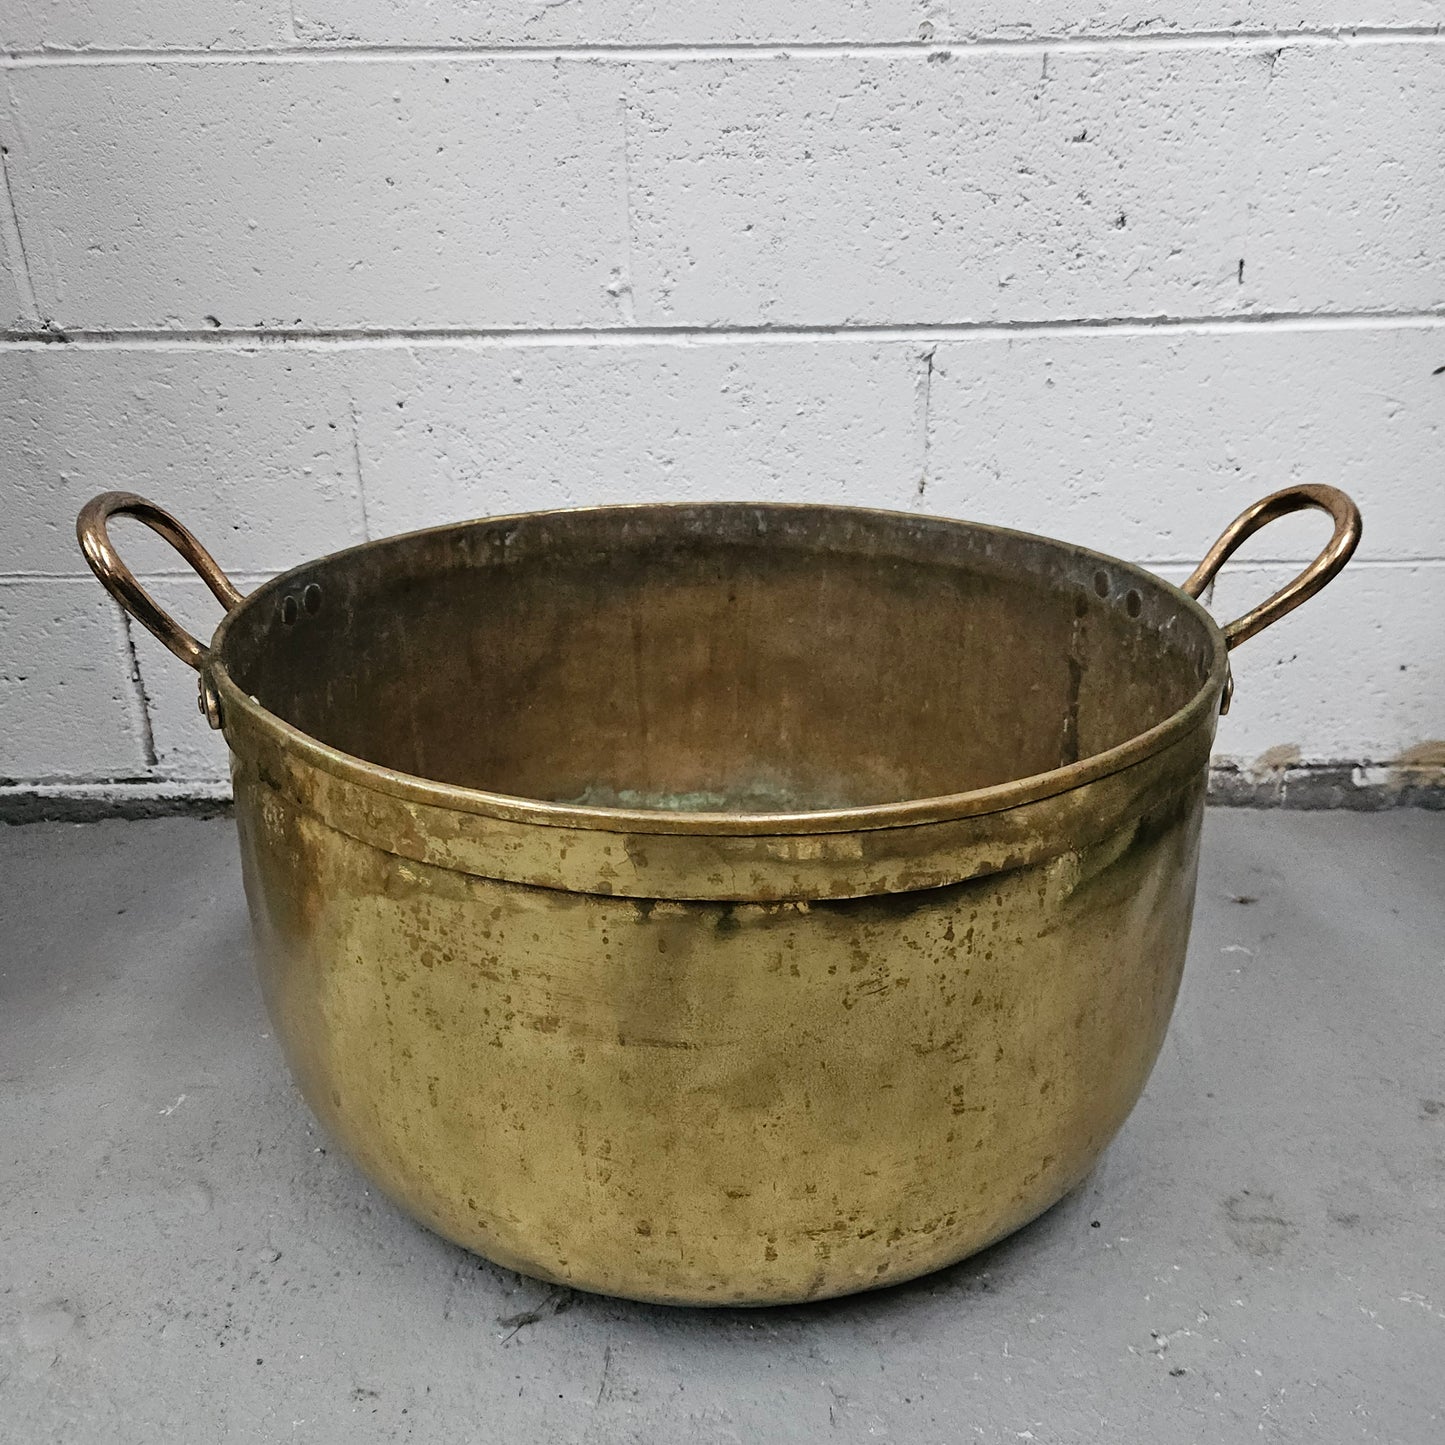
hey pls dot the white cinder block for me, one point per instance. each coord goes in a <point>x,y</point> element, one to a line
<point>971,187</point>
<point>215,24</point>
<point>255,452</point>
<point>1355,674</point>
<point>1142,445</point>
<point>332,195</point>
<point>456,433</point>
<point>186,746</point>
<point>1348,206</point>
<point>1147,445</point>
<point>67,705</point>
<point>142,24</point>
<point>978,187</point>
<point>611,22</point>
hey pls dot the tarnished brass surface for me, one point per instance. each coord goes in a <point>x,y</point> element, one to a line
<point>720,1102</point>
<point>1338,551</point>
<point>94,536</point>
<point>720,904</point>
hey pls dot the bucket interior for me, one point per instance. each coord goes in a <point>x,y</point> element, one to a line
<point>728,658</point>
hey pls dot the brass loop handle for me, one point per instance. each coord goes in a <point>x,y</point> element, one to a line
<point>1292,499</point>
<point>120,582</point>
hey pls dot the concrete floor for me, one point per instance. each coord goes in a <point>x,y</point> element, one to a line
<point>1260,1256</point>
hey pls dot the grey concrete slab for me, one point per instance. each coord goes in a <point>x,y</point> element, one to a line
<point>1260,1256</point>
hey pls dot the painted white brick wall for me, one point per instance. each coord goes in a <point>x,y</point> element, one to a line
<point>330,270</point>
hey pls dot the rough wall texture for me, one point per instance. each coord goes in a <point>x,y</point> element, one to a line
<point>311,272</point>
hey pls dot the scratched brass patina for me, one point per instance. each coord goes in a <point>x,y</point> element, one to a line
<point>719,904</point>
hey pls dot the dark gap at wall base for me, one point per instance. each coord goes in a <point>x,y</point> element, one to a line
<point>1304,788</point>
<point>1309,788</point>
<point>25,806</point>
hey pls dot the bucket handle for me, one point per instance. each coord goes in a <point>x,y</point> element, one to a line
<point>1337,552</point>
<point>120,581</point>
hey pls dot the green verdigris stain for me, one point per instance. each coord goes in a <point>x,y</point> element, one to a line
<point>753,797</point>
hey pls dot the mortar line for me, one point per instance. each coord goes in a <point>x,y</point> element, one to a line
<point>181,574</point>
<point>770,50</point>
<point>148,737</point>
<point>14,241</point>
<point>362,338</point>
<point>360,473</point>
<point>1153,564</point>
<point>925,421</point>
<point>1246,564</point>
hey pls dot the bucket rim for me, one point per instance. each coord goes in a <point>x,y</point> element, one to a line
<point>236,704</point>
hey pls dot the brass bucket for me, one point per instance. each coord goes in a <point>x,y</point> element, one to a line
<point>719,904</point>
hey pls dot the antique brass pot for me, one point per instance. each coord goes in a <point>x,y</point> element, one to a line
<point>719,904</point>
